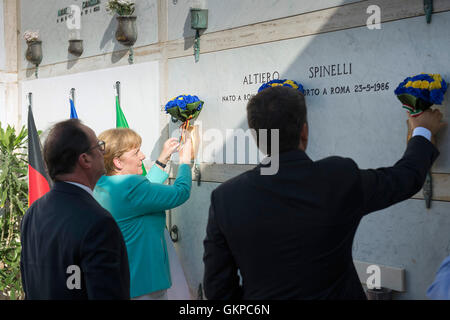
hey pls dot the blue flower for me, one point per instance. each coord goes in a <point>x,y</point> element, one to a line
<point>191,99</point>
<point>177,107</point>
<point>284,83</point>
<point>170,104</point>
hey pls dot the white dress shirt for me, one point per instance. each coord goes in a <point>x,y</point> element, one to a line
<point>82,186</point>
<point>421,131</point>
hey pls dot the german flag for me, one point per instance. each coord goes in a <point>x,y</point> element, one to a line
<point>38,180</point>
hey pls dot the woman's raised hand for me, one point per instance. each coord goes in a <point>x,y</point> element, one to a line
<point>170,146</point>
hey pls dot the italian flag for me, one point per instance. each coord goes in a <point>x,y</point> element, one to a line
<point>121,122</point>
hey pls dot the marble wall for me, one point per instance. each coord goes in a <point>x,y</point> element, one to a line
<point>358,115</point>
<point>2,38</point>
<point>95,100</point>
<point>2,104</point>
<point>229,14</point>
<point>367,125</point>
<point>344,114</point>
<point>2,66</point>
<point>97,28</point>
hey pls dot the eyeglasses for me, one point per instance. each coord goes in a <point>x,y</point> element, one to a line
<point>101,145</point>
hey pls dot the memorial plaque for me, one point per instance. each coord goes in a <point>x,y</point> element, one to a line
<point>95,100</point>
<point>235,13</point>
<point>349,76</point>
<point>97,31</point>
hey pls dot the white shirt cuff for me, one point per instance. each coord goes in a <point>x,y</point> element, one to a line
<point>421,131</point>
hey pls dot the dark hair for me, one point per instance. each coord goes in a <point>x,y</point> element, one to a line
<point>280,108</point>
<point>64,144</point>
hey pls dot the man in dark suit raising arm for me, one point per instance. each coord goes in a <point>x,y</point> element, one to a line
<point>290,234</point>
<point>71,247</point>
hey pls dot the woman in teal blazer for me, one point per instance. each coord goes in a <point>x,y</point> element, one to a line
<point>137,203</point>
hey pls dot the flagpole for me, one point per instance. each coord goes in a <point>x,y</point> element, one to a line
<point>117,87</point>
<point>72,95</point>
<point>29,99</point>
<point>73,111</point>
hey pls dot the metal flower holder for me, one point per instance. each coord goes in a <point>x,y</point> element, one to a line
<point>126,33</point>
<point>34,53</point>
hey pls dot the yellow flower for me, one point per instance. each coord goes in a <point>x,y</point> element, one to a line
<point>409,84</point>
<point>435,85</point>
<point>277,84</point>
<point>436,77</point>
<point>291,83</point>
<point>417,84</point>
<point>424,85</point>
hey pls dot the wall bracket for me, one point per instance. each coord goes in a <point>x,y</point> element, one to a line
<point>428,8</point>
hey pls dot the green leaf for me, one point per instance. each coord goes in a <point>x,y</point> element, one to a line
<point>14,200</point>
<point>3,199</point>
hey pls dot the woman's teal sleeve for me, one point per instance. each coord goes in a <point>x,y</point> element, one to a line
<point>148,198</point>
<point>157,175</point>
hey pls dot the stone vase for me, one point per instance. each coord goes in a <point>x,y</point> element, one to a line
<point>34,52</point>
<point>126,32</point>
<point>76,47</point>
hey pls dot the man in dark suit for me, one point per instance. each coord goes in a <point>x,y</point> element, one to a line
<point>71,247</point>
<point>290,234</point>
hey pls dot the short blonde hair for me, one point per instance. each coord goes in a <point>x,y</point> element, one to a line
<point>117,142</point>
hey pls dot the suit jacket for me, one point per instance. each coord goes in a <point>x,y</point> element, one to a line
<point>67,227</point>
<point>290,235</point>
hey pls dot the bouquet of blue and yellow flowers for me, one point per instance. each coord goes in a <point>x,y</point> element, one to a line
<point>282,83</point>
<point>420,92</point>
<point>185,108</point>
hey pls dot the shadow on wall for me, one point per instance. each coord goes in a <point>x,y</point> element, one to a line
<point>119,51</point>
<point>187,33</point>
<point>71,60</point>
<point>156,151</point>
<point>31,69</point>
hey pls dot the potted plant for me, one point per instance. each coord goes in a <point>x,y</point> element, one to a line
<point>13,204</point>
<point>34,50</point>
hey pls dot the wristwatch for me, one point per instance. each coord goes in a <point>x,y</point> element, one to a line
<point>162,165</point>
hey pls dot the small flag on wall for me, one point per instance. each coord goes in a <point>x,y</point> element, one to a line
<point>73,111</point>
